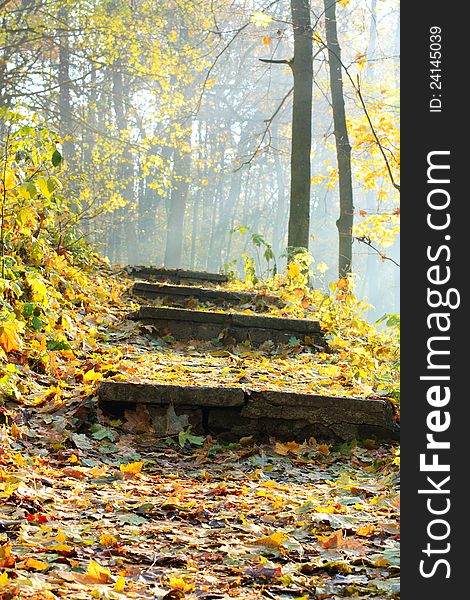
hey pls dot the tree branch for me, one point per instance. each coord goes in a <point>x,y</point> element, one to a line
<point>266,130</point>
<point>280,61</point>
<point>367,241</point>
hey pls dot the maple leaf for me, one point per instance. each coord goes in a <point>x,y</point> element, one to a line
<point>131,469</point>
<point>338,540</point>
<point>138,421</point>
<point>4,579</point>
<point>293,270</point>
<point>36,565</point>
<point>178,583</point>
<point>323,449</point>
<point>120,584</point>
<point>288,448</point>
<point>6,558</point>
<point>272,541</point>
<point>9,336</point>
<point>106,539</point>
<point>366,530</point>
<point>97,573</point>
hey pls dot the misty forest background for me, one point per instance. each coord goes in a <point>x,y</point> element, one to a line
<point>175,121</point>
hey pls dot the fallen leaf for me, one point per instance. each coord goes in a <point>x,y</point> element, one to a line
<point>120,584</point>
<point>98,573</point>
<point>131,469</point>
<point>272,541</point>
<point>106,539</point>
<point>9,336</point>
<point>36,565</point>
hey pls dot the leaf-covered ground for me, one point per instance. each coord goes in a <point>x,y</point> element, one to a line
<point>107,513</point>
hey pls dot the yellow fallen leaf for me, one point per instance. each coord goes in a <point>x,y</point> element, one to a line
<point>366,530</point>
<point>15,431</point>
<point>272,541</point>
<point>288,448</point>
<point>106,539</point>
<point>131,468</point>
<point>62,548</point>
<point>120,584</point>
<point>91,376</point>
<point>36,565</point>
<point>9,336</point>
<point>3,579</point>
<point>98,573</point>
<point>6,558</point>
<point>60,537</point>
<point>178,583</point>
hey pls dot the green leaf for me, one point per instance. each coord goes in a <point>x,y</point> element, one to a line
<point>187,436</point>
<point>99,432</point>
<point>58,345</point>
<point>131,519</point>
<point>57,158</point>
<point>37,324</point>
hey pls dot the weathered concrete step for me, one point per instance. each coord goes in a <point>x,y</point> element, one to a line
<point>206,325</point>
<point>176,275</point>
<point>241,412</point>
<point>182,293</point>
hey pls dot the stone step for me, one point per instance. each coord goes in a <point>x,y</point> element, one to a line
<point>242,412</point>
<point>186,324</point>
<point>183,293</point>
<point>176,275</point>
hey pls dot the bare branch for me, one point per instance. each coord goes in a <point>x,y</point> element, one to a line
<point>367,241</point>
<point>266,130</point>
<point>280,61</point>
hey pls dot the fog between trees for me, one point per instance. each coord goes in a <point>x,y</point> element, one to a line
<point>176,126</point>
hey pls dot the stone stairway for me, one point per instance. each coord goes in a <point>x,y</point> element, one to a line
<point>236,411</point>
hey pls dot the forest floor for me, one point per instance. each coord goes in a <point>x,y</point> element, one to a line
<point>100,508</point>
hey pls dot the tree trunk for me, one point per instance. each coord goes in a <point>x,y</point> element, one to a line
<point>127,215</point>
<point>177,208</point>
<point>397,51</point>
<point>368,281</point>
<point>302,69</point>
<point>65,101</point>
<point>280,221</point>
<point>343,148</point>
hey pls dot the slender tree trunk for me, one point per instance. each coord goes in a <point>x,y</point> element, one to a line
<point>302,69</point>
<point>372,46</point>
<point>244,181</point>
<point>194,230</point>
<point>177,208</point>
<point>397,51</point>
<point>343,148</point>
<point>127,215</point>
<point>213,258</point>
<point>65,101</point>
<point>280,221</point>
